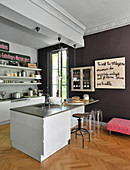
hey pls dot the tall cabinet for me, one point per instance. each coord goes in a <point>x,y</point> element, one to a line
<point>82,79</point>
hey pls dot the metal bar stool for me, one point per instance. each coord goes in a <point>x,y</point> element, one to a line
<point>82,131</point>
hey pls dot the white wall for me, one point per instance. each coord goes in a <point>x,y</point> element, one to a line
<point>20,49</point>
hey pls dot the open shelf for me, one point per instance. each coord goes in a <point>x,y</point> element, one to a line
<point>13,77</point>
<point>21,84</point>
<point>21,68</point>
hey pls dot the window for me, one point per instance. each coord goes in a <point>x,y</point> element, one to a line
<point>60,73</point>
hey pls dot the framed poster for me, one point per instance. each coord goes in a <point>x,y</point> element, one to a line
<point>110,73</point>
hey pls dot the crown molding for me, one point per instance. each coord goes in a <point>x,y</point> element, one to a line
<point>115,23</point>
<point>55,10</point>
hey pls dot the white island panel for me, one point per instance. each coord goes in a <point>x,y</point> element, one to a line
<point>56,132</point>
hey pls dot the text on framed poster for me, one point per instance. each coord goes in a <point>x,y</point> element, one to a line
<point>14,57</point>
<point>110,73</point>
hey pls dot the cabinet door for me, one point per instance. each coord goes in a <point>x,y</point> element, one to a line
<point>88,79</point>
<point>56,132</point>
<point>4,111</point>
<point>76,79</point>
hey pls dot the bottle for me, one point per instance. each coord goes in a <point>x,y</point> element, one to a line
<point>23,73</point>
<point>57,93</point>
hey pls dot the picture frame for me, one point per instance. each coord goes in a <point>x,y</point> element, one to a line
<point>110,73</point>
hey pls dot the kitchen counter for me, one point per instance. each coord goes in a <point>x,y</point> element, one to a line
<point>40,132</point>
<point>38,110</point>
<point>4,100</point>
<point>20,99</point>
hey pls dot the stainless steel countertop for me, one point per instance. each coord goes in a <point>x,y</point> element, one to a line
<point>44,112</point>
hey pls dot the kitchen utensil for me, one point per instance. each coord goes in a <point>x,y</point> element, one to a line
<point>86,97</point>
<point>30,93</point>
<point>16,95</point>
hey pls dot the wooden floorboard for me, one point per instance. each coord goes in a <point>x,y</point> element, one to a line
<point>104,152</point>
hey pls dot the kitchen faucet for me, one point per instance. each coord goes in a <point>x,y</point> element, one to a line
<point>48,99</point>
<point>2,93</point>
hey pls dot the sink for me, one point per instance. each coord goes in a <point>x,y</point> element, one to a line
<point>43,106</point>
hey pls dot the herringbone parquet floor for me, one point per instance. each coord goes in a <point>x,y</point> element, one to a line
<point>104,152</point>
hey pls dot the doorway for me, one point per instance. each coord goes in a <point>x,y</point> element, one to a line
<point>59,70</point>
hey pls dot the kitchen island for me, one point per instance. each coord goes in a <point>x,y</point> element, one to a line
<point>40,131</point>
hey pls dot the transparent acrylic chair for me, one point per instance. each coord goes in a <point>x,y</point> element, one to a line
<point>90,117</point>
<point>98,114</point>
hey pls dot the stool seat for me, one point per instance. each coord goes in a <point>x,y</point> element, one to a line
<point>79,115</point>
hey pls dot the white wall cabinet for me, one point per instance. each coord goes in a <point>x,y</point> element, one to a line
<point>29,101</point>
<point>82,79</point>
<point>6,105</point>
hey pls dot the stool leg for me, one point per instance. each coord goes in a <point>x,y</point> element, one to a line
<point>89,137</point>
<point>90,117</point>
<point>93,122</point>
<point>98,121</point>
<point>76,134</point>
<point>82,139</point>
<point>101,117</point>
<point>79,124</point>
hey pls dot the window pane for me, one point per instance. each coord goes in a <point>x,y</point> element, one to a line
<point>55,61</point>
<point>64,92</point>
<point>64,76</point>
<point>64,58</point>
<point>59,63</point>
<point>54,76</point>
<point>54,90</point>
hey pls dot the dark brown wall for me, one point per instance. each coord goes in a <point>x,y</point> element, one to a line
<point>113,43</point>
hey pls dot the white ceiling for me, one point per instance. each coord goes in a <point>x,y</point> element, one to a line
<point>13,32</point>
<point>94,13</point>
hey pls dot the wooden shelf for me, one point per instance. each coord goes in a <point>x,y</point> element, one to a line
<point>21,84</point>
<point>21,68</point>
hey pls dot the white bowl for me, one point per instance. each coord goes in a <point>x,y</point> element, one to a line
<point>55,100</point>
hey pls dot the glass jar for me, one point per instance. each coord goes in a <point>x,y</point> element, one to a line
<point>15,74</point>
<point>11,73</point>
